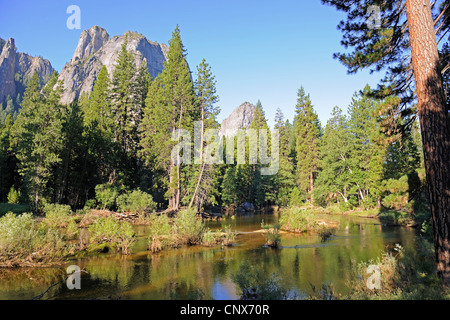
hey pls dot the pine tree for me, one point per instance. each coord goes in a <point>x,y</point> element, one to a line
<point>39,137</point>
<point>6,157</point>
<point>99,108</point>
<point>128,90</point>
<point>284,180</point>
<point>335,152</point>
<point>170,105</point>
<point>306,132</point>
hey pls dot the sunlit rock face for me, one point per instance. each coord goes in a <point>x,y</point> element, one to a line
<point>16,68</point>
<point>240,118</point>
<point>95,49</point>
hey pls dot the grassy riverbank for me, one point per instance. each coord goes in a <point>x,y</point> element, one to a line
<point>406,217</point>
<point>27,240</point>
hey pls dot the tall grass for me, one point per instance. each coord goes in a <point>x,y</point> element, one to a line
<point>272,234</point>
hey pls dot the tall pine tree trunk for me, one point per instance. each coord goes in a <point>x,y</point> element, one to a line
<point>433,121</point>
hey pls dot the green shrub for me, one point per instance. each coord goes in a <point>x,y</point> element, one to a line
<point>272,234</point>
<point>91,204</point>
<point>188,227</point>
<point>135,201</point>
<point>57,215</point>
<point>160,232</point>
<point>22,241</point>
<point>297,220</point>
<point>72,230</point>
<point>118,235</point>
<point>106,196</point>
<point>208,238</point>
<point>230,236</point>
<point>405,275</point>
<point>13,196</point>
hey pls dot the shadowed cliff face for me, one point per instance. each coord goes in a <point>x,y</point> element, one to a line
<point>16,68</point>
<point>96,48</point>
<point>240,118</point>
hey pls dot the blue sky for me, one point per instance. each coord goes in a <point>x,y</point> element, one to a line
<point>259,49</point>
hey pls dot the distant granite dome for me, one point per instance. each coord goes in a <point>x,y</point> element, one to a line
<point>240,118</point>
<point>16,68</point>
<point>95,49</point>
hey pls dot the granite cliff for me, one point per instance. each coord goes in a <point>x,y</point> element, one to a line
<point>96,48</point>
<point>16,68</point>
<point>240,118</point>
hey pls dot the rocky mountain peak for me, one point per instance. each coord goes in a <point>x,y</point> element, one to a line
<point>240,118</point>
<point>16,68</point>
<point>7,68</point>
<point>91,41</point>
<point>96,49</point>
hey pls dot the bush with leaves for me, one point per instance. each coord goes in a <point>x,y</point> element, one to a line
<point>14,196</point>
<point>230,236</point>
<point>57,215</point>
<point>106,196</point>
<point>160,232</point>
<point>24,242</point>
<point>116,235</point>
<point>188,226</point>
<point>136,201</point>
<point>272,234</point>
<point>297,220</point>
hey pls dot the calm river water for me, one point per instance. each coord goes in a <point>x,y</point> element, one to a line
<point>302,261</point>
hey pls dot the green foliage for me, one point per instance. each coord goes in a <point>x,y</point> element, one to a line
<point>14,196</point>
<point>296,197</point>
<point>38,135</point>
<point>117,235</point>
<point>160,232</point>
<point>188,226</point>
<point>57,215</point>
<point>255,284</point>
<point>72,229</point>
<point>22,241</point>
<point>106,195</point>
<point>230,236</point>
<point>208,238</point>
<point>297,220</point>
<point>306,131</point>
<point>272,234</point>
<point>135,201</point>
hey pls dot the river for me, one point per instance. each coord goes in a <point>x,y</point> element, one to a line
<point>302,262</point>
